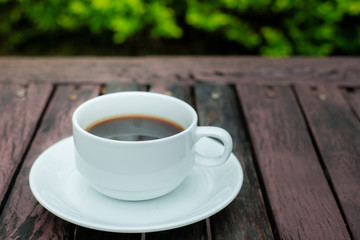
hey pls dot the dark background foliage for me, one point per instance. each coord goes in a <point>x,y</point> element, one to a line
<point>142,27</point>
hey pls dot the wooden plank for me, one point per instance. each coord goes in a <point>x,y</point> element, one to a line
<point>18,123</point>
<point>197,230</point>
<point>23,217</point>
<point>113,87</point>
<point>90,234</point>
<point>301,200</point>
<point>245,217</point>
<point>353,97</point>
<point>337,133</point>
<point>236,69</point>
<point>175,89</point>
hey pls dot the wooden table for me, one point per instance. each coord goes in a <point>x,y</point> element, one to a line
<point>295,125</point>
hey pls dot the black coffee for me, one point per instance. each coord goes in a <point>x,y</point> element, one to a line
<point>134,128</point>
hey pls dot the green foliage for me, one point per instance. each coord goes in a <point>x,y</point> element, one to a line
<point>266,27</point>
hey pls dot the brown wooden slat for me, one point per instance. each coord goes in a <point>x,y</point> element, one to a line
<point>194,231</point>
<point>90,234</point>
<point>23,217</point>
<point>197,230</point>
<point>337,133</point>
<point>113,87</point>
<point>245,217</point>
<point>344,70</point>
<point>175,89</point>
<point>20,108</point>
<point>353,97</point>
<point>300,197</point>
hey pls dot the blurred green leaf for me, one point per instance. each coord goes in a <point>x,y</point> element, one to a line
<point>266,27</point>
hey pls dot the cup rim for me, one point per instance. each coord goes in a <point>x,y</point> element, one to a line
<point>92,100</point>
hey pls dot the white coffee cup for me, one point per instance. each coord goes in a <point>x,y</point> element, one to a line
<point>140,170</point>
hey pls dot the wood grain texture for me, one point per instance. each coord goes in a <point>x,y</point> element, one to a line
<point>82,233</point>
<point>337,133</point>
<point>353,97</point>
<point>23,217</point>
<point>113,87</point>
<point>20,108</point>
<point>301,200</point>
<point>245,217</point>
<point>197,230</point>
<point>90,234</point>
<point>210,68</point>
<point>173,88</point>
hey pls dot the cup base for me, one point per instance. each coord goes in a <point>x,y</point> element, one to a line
<point>135,195</point>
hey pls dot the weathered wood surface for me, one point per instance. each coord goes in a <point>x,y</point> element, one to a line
<point>298,145</point>
<point>82,233</point>
<point>19,118</point>
<point>337,134</point>
<point>245,217</point>
<point>151,69</point>
<point>353,97</point>
<point>301,200</point>
<point>23,217</point>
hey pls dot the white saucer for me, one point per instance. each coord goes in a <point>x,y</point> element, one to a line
<point>57,185</point>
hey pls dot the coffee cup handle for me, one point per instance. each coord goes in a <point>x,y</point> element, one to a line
<point>217,133</point>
